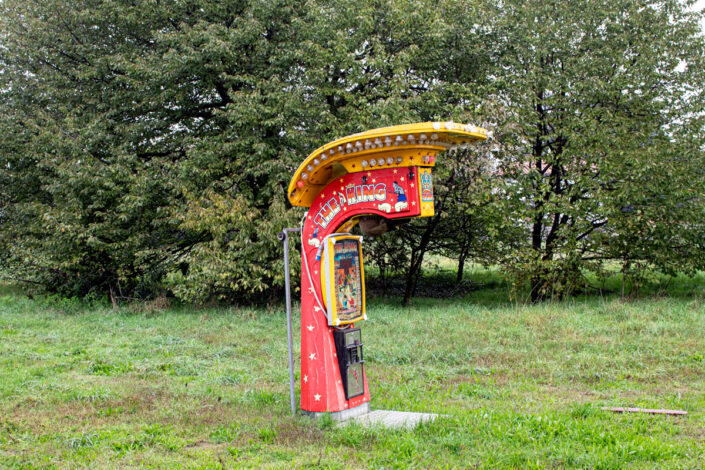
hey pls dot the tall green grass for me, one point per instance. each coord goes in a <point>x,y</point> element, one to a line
<point>518,386</point>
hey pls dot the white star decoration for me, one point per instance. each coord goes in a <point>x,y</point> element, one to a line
<point>317,397</point>
<point>312,356</point>
<point>306,379</point>
<point>310,290</point>
<point>413,203</point>
<point>395,172</point>
<point>309,327</point>
<point>402,178</point>
<point>316,309</point>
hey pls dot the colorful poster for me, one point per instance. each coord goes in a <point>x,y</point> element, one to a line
<point>348,282</point>
<point>426,186</point>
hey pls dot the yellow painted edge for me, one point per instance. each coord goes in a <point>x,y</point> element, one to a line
<point>324,285</point>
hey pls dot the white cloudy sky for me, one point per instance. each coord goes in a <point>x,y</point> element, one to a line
<point>700,5</point>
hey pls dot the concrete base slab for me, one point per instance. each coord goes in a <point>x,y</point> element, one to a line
<point>361,410</point>
<point>392,419</point>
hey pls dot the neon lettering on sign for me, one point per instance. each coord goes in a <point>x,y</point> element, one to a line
<point>326,213</point>
<point>390,192</point>
<point>353,195</point>
<point>366,193</point>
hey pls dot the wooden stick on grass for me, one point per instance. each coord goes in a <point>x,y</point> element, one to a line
<point>619,409</point>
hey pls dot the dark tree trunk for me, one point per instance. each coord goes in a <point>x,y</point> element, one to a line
<point>537,280</point>
<point>412,275</point>
<point>461,267</point>
<point>417,256</point>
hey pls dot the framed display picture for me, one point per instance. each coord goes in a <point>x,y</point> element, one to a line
<point>343,279</point>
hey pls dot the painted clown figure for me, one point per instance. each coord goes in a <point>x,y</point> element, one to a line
<point>402,203</point>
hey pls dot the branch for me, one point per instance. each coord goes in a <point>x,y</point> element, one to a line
<point>595,225</point>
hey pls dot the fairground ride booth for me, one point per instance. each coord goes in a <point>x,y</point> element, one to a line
<point>375,179</point>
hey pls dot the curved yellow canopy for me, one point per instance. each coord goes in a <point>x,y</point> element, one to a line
<point>386,147</point>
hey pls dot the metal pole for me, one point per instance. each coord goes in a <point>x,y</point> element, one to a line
<point>283,236</point>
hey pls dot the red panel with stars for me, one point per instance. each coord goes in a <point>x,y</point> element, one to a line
<point>389,192</point>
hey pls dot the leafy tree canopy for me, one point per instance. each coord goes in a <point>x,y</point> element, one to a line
<point>147,145</point>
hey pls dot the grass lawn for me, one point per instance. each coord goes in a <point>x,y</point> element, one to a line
<point>520,386</point>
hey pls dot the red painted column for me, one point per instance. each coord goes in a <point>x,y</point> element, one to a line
<point>389,192</point>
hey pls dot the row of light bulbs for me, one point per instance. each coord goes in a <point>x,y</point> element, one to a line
<point>368,144</point>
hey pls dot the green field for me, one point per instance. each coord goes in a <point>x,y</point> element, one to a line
<point>520,386</point>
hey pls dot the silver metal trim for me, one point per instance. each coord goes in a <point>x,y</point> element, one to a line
<point>283,236</point>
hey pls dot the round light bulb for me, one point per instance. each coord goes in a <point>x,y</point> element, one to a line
<point>304,176</point>
<point>373,162</point>
<point>390,160</point>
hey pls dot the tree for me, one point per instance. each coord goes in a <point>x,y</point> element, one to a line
<point>601,135</point>
<point>122,119</point>
<point>464,224</point>
<point>381,63</point>
<point>149,141</point>
<point>471,223</point>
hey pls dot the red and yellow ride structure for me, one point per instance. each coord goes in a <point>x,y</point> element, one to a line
<point>376,178</point>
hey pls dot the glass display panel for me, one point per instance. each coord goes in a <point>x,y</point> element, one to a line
<point>353,337</point>
<point>355,383</point>
<point>348,281</point>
